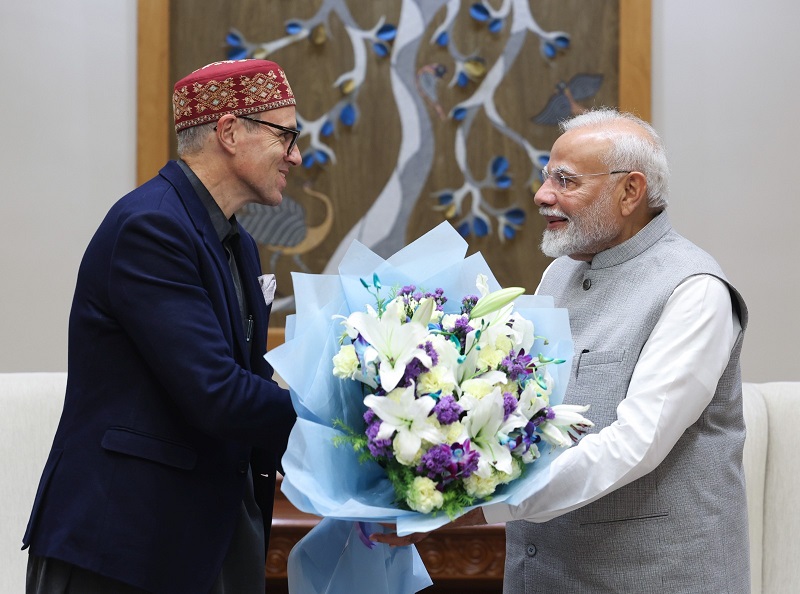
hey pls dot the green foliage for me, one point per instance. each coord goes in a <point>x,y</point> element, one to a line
<point>455,497</point>
<point>356,440</point>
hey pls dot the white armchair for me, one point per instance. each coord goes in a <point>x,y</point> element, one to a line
<point>30,406</point>
<point>772,469</point>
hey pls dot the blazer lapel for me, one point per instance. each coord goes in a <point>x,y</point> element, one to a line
<point>202,223</point>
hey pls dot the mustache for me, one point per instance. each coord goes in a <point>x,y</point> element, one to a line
<point>552,212</point>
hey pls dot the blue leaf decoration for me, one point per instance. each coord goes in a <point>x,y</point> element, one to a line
<point>562,42</point>
<point>479,12</point>
<point>548,49</point>
<point>387,32</point>
<point>499,166</point>
<point>233,39</point>
<point>462,79</point>
<point>481,228</point>
<point>321,157</point>
<point>327,128</point>
<point>237,53</point>
<point>380,49</point>
<point>515,216</point>
<point>443,39</point>
<point>503,182</point>
<point>509,232</point>
<point>348,115</point>
<point>445,198</point>
<point>495,25</point>
<point>308,160</point>
<point>463,229</point>
<point>459,114</point>
<point>293,27</point>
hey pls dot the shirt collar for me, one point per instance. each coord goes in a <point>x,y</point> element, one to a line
<point>225,228</point>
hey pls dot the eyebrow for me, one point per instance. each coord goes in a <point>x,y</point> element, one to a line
<point>562,170</point>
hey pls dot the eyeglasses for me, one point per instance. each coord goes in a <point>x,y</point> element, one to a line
<point>561,178</point>
<point>293,132</point>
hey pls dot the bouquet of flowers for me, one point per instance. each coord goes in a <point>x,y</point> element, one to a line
<point>455,403</point>
<point>457,396</point>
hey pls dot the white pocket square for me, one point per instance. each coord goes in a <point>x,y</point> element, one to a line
<point>268,285</point>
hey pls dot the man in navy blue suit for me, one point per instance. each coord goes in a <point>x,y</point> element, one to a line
<point>162,471</point>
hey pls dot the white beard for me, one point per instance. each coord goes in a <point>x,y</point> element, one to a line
<point>585,233</point>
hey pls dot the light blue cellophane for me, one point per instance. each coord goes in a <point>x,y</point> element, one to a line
<point>329,481</point>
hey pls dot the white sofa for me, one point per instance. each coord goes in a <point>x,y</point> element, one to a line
<point>30,405</point>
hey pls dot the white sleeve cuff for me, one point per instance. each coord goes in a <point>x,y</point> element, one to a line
<point>499,513</point>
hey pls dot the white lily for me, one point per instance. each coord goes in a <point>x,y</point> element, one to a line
<point>407,419</point>
<point>530,402</point>
<point>396,343</point>
<point>484,424</point>
<point>556,431</point>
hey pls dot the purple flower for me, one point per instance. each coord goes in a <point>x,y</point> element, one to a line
<point>524,437</point>
<point>466,458</point>
<point>467,303</point>
<point>509,404</point>
<point>447,410</point>
<point>444,463</point>
<point>462,326</point>
<point>438,297</point>
<point>517,366</point>
<point>412,372</point>
<point>436,462</point>
<point>431,352</point>
<point>379,448</point>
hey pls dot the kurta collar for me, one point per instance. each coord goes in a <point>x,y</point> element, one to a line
<point>637,244</point>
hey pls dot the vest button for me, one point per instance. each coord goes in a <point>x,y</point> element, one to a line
<point>587,283</point>
<point>530,550</point>
<point>242,466</point>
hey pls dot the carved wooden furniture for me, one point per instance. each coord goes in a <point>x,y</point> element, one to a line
<point>458,559</point>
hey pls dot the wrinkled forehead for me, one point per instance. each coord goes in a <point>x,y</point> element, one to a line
<point>579,150</point>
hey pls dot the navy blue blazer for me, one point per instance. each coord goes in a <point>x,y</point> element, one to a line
<point>164,409</point>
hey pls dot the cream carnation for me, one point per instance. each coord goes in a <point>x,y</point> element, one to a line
<point>481,487</point>
<point>345,362</point>
<point>423,496</point>
<point>490,357</point>
<point>437,379</point>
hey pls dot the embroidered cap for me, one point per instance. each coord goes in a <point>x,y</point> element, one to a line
<point>239,87</point>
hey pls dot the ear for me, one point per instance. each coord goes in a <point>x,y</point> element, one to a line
<point>634,193</point>
<point>226,133</point>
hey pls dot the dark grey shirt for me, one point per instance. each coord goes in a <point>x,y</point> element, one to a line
<point>243,568</point>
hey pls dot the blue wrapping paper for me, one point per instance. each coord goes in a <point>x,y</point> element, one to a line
<point>329,481</point>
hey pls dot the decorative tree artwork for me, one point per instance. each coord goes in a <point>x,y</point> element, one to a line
<point>412,112</point>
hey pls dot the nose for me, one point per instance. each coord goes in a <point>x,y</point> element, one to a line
<point>294,158</point>
<point>545,195</point>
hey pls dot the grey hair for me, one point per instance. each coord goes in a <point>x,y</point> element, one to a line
<point>190,140</point>
<point>630,152</point>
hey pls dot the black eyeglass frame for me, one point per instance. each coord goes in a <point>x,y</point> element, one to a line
<point>293,131</point>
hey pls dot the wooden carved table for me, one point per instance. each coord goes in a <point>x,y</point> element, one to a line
<point>467,560</point>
